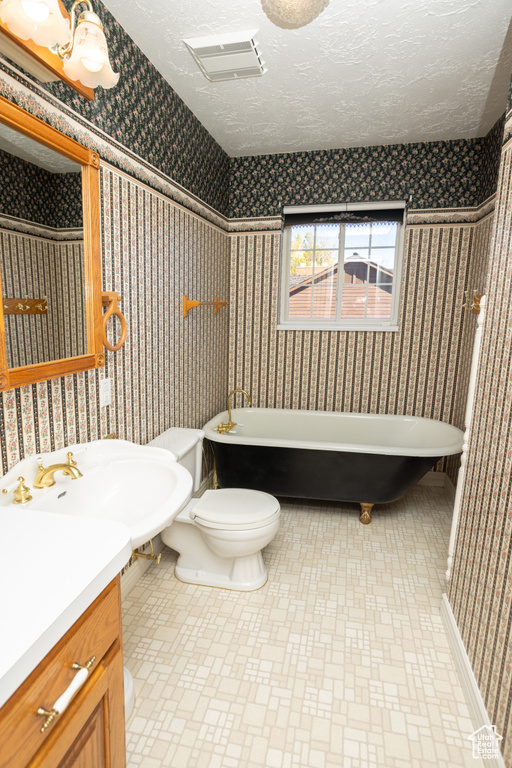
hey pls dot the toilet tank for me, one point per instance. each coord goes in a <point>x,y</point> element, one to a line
<point>186,445</point>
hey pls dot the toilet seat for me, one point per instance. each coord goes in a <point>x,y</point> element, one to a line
<point>235,509</point>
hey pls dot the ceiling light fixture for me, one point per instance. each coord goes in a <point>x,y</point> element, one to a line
<point>37,20</point>
<point>293,14</point>
<point>85,57</point>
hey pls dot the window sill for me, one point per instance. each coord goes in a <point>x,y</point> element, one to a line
<point>344,328</point>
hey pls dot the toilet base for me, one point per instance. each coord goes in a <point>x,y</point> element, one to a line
<point>244,574</point>
<point>198,564</point>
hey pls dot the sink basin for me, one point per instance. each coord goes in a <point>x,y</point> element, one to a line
<point>140,486</point>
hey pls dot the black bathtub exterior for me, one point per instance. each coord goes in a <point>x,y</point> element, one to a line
<point>315,474</point>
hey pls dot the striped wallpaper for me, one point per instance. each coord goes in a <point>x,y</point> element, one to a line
<point>176,371</point>
<point>36,267</point>
<point>172,371</point>
<point>414,371</point>
<point>477,280</point>
<point>481,586</point>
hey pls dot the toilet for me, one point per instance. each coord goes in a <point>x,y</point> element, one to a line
<point>219,536</point>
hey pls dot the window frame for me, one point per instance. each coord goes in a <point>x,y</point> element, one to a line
<point>355,324</point>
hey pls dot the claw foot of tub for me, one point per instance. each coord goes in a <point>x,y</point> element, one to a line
<point>366,513</point>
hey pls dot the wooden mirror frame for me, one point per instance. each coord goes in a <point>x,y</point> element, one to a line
<point>25,123</point>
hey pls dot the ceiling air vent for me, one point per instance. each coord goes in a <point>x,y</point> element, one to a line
<point>227,57</point>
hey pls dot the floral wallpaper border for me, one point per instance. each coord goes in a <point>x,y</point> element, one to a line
<point>24,227</point>
<point>123,160</point>
<point>451,215</point>
<point>147,116</point>
<point>441,174</point>
<point>433,216</point>
<point>48,109</point>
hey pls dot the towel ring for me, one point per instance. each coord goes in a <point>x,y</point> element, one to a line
<point>109,299</point>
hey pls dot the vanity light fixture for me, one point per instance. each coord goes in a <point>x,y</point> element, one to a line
<point>85,57</point>
<point>75,50</point>
<point>292,14</point>
<point>38,20</point>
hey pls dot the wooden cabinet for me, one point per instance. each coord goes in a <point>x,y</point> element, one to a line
<point>90,732</point>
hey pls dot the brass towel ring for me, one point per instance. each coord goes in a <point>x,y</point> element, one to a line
<point>109,299</point>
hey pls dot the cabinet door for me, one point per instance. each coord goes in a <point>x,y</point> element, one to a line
<point>89,747</point>
<point>93,736</point>
<point>92,635</point>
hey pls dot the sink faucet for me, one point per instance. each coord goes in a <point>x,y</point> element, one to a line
<point>45,475</point>
<point>223,428</point>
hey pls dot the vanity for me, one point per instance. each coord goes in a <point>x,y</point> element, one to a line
<point>60,606</point>
<point>69,521</point>
<point>61,670</point>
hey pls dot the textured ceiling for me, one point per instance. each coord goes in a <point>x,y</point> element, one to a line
<point>365,72</point>
<point>33,152</point>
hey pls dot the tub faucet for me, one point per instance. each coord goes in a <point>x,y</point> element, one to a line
<point>45,475</point>
<point>223,428</point>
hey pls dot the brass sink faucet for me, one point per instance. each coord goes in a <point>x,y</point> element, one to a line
<point>223,428</point>
<point>45,475</point>
<point>21,493</point>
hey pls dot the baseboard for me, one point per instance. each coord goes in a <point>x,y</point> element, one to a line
<point>439,480</point>
<point>138,568</point>
<point>433,479</point>
<point>449,488</point>
<point>472,695</point>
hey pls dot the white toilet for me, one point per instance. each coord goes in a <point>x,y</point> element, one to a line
<point>219,537</point>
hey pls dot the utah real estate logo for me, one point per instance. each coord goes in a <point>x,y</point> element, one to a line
<point>486,743</point>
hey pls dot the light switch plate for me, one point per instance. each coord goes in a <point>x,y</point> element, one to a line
<point>105,392</point>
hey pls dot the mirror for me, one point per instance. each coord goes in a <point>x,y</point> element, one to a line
<point>51,322</point>
<point>41,252</point>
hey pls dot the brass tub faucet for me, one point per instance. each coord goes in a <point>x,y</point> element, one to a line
<point>45,475</point>
<point>222,429</point>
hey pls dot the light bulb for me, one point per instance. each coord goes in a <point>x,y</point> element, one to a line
<point>37,11</point>
<point>91,65</point>
<point>40,21</point>
<point>93,53</point>
<point>88,61</point>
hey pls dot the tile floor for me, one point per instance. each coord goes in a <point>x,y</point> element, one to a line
<point>340,661</point>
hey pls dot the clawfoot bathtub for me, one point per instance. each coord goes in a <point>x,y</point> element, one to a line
<point>363,458</point>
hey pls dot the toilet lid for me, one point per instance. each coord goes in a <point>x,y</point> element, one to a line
<point>235,508</point>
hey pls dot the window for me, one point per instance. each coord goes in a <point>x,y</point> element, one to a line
<point>341,266</point>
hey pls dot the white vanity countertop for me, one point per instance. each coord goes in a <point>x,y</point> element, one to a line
<point>52,567</point>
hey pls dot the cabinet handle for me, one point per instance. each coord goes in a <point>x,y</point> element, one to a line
<point>63,701</point>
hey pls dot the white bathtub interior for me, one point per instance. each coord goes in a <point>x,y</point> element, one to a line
<point>325,430</point>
